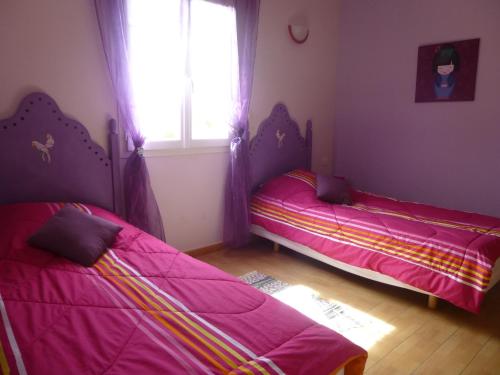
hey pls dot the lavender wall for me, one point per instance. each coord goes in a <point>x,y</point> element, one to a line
<point>446,154</point>
<point>54,46</point>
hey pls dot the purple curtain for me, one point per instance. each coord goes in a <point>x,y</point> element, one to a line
<point>140,203</point>
<point>236,210</point>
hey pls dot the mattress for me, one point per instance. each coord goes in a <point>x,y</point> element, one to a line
<point>450,254</point>
<point>146,308</point>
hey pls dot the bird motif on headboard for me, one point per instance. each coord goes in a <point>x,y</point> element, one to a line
<point>280,136</point>
<point>44,148</point>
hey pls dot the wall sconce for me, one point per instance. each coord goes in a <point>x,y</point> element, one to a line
<point>298,33</point>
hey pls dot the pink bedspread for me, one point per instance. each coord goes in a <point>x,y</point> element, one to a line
<point>145,308</point>
<point>447,253</point>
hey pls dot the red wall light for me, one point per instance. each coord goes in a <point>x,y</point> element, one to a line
<point>298,33</point>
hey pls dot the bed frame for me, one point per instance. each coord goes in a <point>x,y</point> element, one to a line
<point>270,157</point>
<point>278,147</point>
<point>47,156</point>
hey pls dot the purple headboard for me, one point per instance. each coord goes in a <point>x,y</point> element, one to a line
<point>278,147</point>
<point>46,156</point>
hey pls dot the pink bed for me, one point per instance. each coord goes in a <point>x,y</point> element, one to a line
<point>145,308</point>
<point>448,254</point>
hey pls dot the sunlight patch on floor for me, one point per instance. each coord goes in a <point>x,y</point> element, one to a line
<point>358,326</point>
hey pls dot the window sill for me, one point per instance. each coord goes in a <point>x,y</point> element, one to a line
<point>169,148</point>
<point>185,151</point>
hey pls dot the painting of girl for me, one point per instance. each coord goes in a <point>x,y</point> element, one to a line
<point>447,71</point>
<point>445,64</point>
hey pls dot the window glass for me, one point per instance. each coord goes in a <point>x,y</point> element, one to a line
<point>183,68</point>
<point>156,70</point>
<point>214,69</point>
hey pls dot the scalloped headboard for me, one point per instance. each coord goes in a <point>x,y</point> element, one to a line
<point>278,147</point>
<point>46,156</point>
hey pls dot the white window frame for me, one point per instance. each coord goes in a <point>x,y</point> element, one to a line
<point>186,144</point>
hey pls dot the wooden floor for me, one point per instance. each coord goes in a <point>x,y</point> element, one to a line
<point>423,341</point>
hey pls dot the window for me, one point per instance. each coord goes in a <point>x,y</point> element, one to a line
<point>184,71</point>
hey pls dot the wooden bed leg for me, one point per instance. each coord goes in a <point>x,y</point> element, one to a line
<point>432,302</point>
<point>276,247</point>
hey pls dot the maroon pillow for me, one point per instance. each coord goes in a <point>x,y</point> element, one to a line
<point>333,189</point>
<point>75,235</point>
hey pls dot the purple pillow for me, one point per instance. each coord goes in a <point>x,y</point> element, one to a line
<point>75,235</point>
<point>333,189</point>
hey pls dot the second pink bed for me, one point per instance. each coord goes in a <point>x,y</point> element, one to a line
<point>449,254</point>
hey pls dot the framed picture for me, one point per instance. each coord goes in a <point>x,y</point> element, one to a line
<point>447,71</point>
